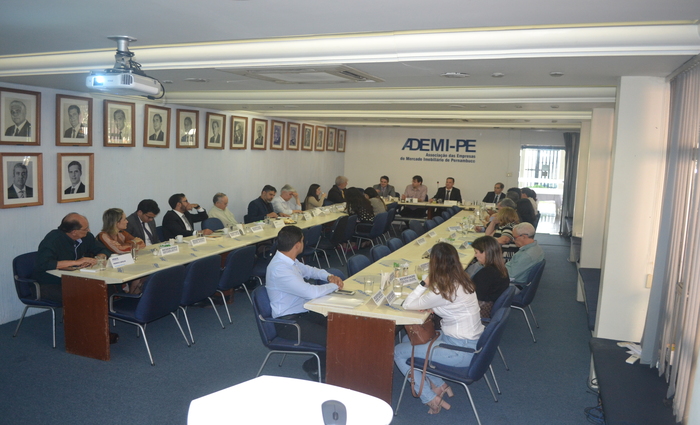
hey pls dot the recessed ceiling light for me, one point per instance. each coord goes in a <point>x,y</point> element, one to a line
<point>457,106</point>
<point>167,81</point>
<point>554,106</point>
<point>197,80</point>
<point>498,75</point>
<point>482,106</point>
<point>556,74</point>
<point>527,120</point>
<point>518,106</point>
<point>291,106</point>
<point>553,121</point>
<point>455,75</point>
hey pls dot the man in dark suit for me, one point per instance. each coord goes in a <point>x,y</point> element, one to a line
<point>448,192</point>
<point>496,196</point>
<point>76,129</point>
<point>384,188</point>
<point>75,172</point>
<point>179,220</point>
<point>141,224</point>
<point>157,132</point>
<point>215,139</point>
<point>18,113</point>
<point>261,207</point>
<point>337,193</point>
<point>19,189</point>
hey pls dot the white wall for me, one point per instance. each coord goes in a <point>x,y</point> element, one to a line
<point>581,179</point>
<point>124,176</point>
<point>373,152</point>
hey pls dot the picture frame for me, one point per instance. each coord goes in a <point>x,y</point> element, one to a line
<point>320,141</point>
<point>187,124</point>
<point>20,117</point>
<point>277,135</point>
<point>75,177</point>
<point>307,130</point>
<point>239,132</point>
<point>73,120</point>
<point>119,128</point>
<point>156,127</point>
<point>216,128</point>
<point>293,136</point>
<point>330,139</point>
<point>341,140</point>
<point>21,179</point>
<point>258,134</point>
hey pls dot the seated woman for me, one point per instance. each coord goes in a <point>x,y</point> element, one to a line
<point>115,237</point>
<point>488,272</point>
<point>314,197</point>
<point>501,228</point>
<point>526,213</point>
<point>378,205</point>
<point>357,204</point>
<point>449,293</point>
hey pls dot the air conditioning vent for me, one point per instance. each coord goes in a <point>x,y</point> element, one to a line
<point>336,74</point>
<point>127,79</point>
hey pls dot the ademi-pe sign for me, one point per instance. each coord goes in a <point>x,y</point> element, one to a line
<point>439,150</point>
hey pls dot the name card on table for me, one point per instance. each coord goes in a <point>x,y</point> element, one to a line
<point>234,234</point>
<point>412,200</point>
<point>167,250</point>
<point>432,234</point>
<point>257,228</point>
<point>316,212</point>
<point>391,297</point>
<point>198,241</point>
<point>426,254</point>
<point>407,280</point>
<point>450,203</point>
<point>455,228</point>
<point>307,216</point>
<point>421,241</point>
<point>278,223</point>
<point>120,260</point>
<point>466,244</point>
<point>326,210</point>
<point>240,228</point>
<point>378,297</point>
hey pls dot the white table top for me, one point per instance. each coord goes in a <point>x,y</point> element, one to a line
<point>278,400</point>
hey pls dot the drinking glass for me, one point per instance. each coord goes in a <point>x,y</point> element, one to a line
<point>369,285</point>
<point>398,287</point>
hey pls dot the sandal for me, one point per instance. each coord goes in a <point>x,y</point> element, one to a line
<point>437,404</point>
<point>441,390</point>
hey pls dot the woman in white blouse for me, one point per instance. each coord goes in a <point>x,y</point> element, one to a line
<point>449,293</point>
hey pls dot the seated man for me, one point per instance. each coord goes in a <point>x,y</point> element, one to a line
<point>289,292</point>
<point>287,203</point>
<point>179,220</point>
<point>449,192</point>
<point>527,256</point>
<point>141,224</point>
<point>415,190</point>
<point>384,189</point>
<point>70,246</point>
<point>260,207</point>
<point>220,210</point>
<point>496,196</point>
<point>337,193</point>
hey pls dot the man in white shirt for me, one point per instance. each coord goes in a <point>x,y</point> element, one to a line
<point>287,202</point>
<point>220,210</point>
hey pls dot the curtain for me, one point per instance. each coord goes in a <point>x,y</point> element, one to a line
<point>571,142</point>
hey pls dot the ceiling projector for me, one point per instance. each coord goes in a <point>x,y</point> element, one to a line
<point>126,78</point>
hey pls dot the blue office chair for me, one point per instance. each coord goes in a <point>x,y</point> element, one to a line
<point>407,236</point>
<point>268,333</point>
<point>430,225</point>
<point>22,269</point>
<point>236,272</point>
<point>394,244</point>
<point>312,237</point>
<point>377,229</point>
<point>378,252</point>
<point>446,215</point>
<point>160,297</point>
<point>201,282</point>
<point>527,294</point>
<point>438,220</point>
<point>357,263</point>
<point>349,232</point>
<point>212,224</point>
<point>336,237</point>
<point>456,209</point>
<point>417,226</point>
<point>504,301</point>
<point>391,214</point>
<point>483,356</point>
<point>160,233</point>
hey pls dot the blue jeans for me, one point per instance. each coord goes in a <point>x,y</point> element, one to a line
<point>402,352</point>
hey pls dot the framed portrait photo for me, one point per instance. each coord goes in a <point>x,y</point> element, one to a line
<point>76,177</point>
<point>308,141</point>
<point>21,180</point>
<point>156,127</point>
<point>320,138</point>
<point>292,136</point>
<point>341,140</point>
<point>277,135</point>
<point>187,122</point>
<point>239,132</point>
<point>73,120</point>
<point>119,123</point>
<point>216,128</point>
<point>330,139</point>
<point>259,134</point>
<point>20,117</point>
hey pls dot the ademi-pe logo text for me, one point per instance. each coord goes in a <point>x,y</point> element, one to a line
<point>440,145</point>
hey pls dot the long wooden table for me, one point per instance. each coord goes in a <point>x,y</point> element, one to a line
<point>85,306</point>
<point>360,346</point>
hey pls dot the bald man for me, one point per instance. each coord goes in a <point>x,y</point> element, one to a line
<point>18,114</point>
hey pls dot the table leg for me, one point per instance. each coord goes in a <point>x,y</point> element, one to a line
<point>85,317</point>
<point>360,354</point>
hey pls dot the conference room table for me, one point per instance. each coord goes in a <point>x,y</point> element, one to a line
<point>429,206</point>
<point>361,333</point>
<point>85,295</point>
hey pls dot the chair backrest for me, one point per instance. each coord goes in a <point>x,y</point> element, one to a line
<point>378,252</point>
<point>378,225</point>
<point>336,272</point>
<point>391,214</point>
<point>212,223</point>
<point>439,220</point>
<point>504,300</point>
<point>350,227</point>
<point>338,234</point>
<point>161,294</point>
<point>394,244</point>
<point>312,235</point>
<point>161,233</point>
<point>416,226</point>
<point>262,310</point>
<point>408,235</point>
<point>455,209</point>
<point>446,215</point>
<point>527,294</point>
<point>357,263</point>
<point>393,205</point>
<point>429,224</point>
<point>487,345</point>
<point>238,268</point>
<point>22,269</point>
<point>201,280</point>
